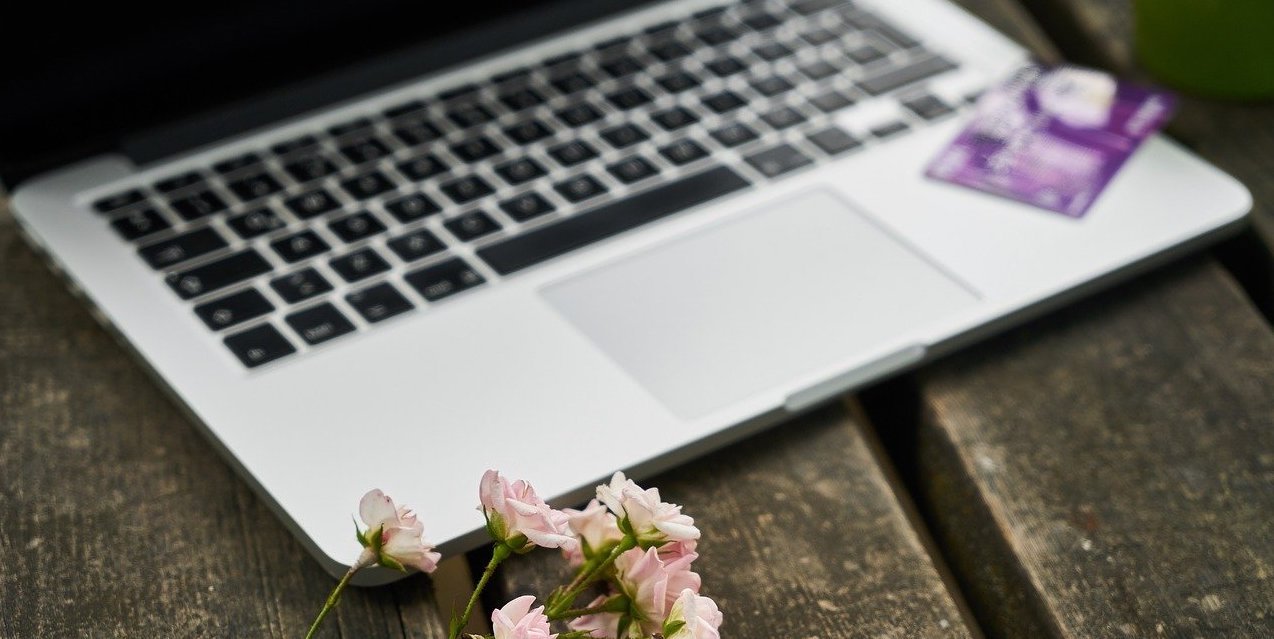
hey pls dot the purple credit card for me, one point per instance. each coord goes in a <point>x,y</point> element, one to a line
<point>1052,137</point>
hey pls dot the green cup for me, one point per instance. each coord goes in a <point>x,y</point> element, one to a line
<point>1217,48</point>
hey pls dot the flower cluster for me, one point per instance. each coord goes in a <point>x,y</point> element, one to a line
<point>632,552</point>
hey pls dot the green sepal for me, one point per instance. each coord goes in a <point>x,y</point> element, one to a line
<point>624,623</point>
<point>671,629</point>
<point>626,526</point>
<point>389,562</point>
<point>358,533</point>
<point>496,526</point>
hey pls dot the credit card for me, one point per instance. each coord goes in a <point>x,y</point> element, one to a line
<point>1053,137</point>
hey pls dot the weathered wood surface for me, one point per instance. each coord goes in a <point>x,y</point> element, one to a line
<point>1236,136</point>
<point>1109,472</point>
<point>803,537</point>
<point>117,519</point>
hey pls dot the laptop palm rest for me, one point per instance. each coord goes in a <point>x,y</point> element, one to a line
<point>757,302</point>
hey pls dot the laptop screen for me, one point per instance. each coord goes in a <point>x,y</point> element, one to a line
<point>74,79</point>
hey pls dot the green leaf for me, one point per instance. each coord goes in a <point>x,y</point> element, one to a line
<point>671,629</point>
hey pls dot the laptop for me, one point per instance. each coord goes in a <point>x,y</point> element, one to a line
<point>393,244</point>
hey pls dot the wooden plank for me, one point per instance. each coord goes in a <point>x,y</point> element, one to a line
<point>117,519</point>
<point>1237,136</point>
<point>803,537</point>
<point>1109,471</point>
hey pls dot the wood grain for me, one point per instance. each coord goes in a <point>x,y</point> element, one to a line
<point>1109,471</point>
<point>803,537</point>
<point>117,519</point>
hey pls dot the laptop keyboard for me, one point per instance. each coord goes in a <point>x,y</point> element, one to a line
<point>328,233</point>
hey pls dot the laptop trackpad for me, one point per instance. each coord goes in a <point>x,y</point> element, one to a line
<point>756,301</point>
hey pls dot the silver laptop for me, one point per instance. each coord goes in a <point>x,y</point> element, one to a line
<point>565,238</point>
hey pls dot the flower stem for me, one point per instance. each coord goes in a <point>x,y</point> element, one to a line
<point>587,574</point>
<point>499,554</point>
<point>366,559</point>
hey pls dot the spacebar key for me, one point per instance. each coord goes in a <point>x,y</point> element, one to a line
<point>585,228</point>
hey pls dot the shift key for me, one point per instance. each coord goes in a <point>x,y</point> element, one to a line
<point>212,276</point>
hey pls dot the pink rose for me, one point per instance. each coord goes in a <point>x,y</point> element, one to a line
<point>393,535</point>
<point>516,620</point>
<point>517,517</point>
<point>597,530</point>
<point>652,585</point>
<point>652,520</point>
<point>693,616</point>
<point>605,624</point>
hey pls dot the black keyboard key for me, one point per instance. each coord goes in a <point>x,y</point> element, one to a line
<point>119,201</point>
<point>293,145</point>
<point>353,126</point>
<point>184,180</point>
<point>927,106</point>
<point>669,50</point>
<point>523,98</point>
<point>613,45</point>
<point>471,225</point>
<point>674,118</point>
<point>683,152</point>
<point>778,160</point>
<point>379,302</point>
<point>661,29</point>
<point>629,98</point>
<point>359,265</point>
<point>624,135</point>
<point>412,207</point>
<point>579,114</point>
<point>309,168</point>
<point>422,167</point>
<point>889,129</point>
<point>365,150</point>
<point>195,206</point>
<point>808,7</point>
<point>319,324</point>
<point>356,227</point>
<point>511,76</point>
<point>891,33</point>
<point>526,206</point>
<point>312,204</point>
<point>475,149</point>
<point>772,51</point>
<point>467,115</point>
<point>521,170</point>
<point>528,131</point>
<point>732,135</point>
<point>259,345</point>
<point>678,81</point>
<point>710,15</point>
<point>573,153</point>
<point>612,219</point>
<point>724,101</point>
<point>236,163</point>
<point>570,82</point>
<point>762,21</point>
<point>726,66</point>
<point>818,69</point>
<point>299,246</point>
<point>300,286</point>
<point>467,189</point>
<point>620,66</point>
<point>233,309</point>
<point>819,36</point>
<point>416,131</point>
<point>256,223</point>
<point>831,101</point>
<point>562,61</point>
<point>255,186</point>
<point>445,279</point>
<point>139,224</point>
<point>632,169</point>
<point>456,93</point>
<point>179,248</point>
<point>834,140</point>
<point>219,274</point>
<point>772,85</point>
<point>580,188</point>
<point>368,185</point>
<point>415,245</point>
<point>407,108</point>
<point>716,35</point>
<point>865,54</point>
<point>783,117</point>
<point>898,77</point>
